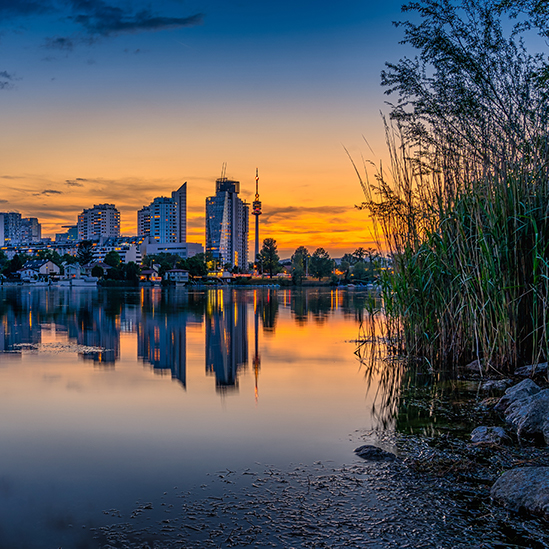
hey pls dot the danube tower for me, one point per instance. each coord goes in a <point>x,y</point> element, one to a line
<point>256,211</point>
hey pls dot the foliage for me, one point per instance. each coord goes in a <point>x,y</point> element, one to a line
<point>84,252</point>
<point>465,211</point>
<point>269,258</point>
<point>320,264</point>
<point>97,271</point>
<point>299,262</point>
<point>112,258</point>
<point>14,265</point>
<point>50,255</point>
<point>196,265</point>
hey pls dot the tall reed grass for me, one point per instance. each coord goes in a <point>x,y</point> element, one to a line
<point>468,237</point>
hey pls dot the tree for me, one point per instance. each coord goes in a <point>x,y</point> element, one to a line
<point>50,255</point>
<point>131,272</point>
<point>97,271</point>
<point>471,92</point>
<point>112,258</point>
<point>269,257</point>
<point>85,252</point>
<point>299,262</point>
<point>14,265</point>
<point>320,264</point>
<point>196,265</point>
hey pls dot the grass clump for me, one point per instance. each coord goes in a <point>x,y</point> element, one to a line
<point>463,210</point>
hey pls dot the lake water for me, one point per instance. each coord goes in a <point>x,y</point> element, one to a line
<point>110,397</point>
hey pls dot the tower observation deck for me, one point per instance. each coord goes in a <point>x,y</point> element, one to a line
<point>257,211</point>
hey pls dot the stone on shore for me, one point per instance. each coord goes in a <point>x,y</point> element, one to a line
<point>523,490</point>
<point>531,370</point>
<point>496,385</point>
<point>370,452</point>
<point>489,434</point>
<point>525,388</point>
<point>529,416</point>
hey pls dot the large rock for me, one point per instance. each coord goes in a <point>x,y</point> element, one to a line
<point>524,389</point>
<point>531,370</point>
<point>370,452</point>
<point>529,416</point>
<point>523,490</point>
<point>496,385</point>
<point>489,434</point>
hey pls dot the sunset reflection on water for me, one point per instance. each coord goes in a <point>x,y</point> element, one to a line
<point>107,395</point>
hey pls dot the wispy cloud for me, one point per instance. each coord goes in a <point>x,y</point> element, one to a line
<point>49,192</point>
<point>59,43</point>
<point>98,18</point>
<point>6,80</point>
<point>14,8</point>
<point>76,182</point>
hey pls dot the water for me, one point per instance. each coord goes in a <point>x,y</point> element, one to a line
<point>227,418</point>
<point>109,397</point>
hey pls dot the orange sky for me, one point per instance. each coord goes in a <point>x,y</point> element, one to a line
<point>125,117</point>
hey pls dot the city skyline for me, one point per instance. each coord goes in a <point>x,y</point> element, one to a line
<point>108,111</point>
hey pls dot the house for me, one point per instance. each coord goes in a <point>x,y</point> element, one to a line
<point>42,268</point>
<point>88,268</point>
<point>72,271</point>
<point>177,276</point>
<point>150,275</point>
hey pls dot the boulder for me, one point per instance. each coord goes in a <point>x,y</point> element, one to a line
<point>523,490</point>
<point>489,434</point>
<point>496,385</point>
<point>529,416</point>
<point>370,452</point>
<point>531,370</point>
<point>524,389</point>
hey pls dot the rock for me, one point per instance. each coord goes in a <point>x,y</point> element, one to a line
<point>496,385</point>
<point>489,434</point>
<point>523,490</point>
<point>529,416</point>
<point>524,389</point>
<point>530,370</point>
<point>476,366</point>
<point>370,452</point>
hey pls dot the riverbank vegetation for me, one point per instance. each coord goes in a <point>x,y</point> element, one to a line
<point>463,206</point>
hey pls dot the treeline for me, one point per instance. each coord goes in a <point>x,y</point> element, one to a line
<point>362,265</point>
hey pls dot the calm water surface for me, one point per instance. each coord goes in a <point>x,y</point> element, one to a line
<point>109,397</point>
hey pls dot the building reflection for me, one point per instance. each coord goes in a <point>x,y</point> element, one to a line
<point>94,319</point>
<point>226,339</point>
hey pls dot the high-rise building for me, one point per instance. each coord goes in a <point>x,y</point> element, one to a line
<point>162,220</point>
<point>12,223</point>
<point>101,221</point>
<point>180,198</point>
<point>144,221</point>
<point>165,219</point>
<point>31,230</point>
<point>227,225</point>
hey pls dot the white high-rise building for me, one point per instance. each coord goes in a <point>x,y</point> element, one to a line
<point>165,219</point>
<point>101,221</point>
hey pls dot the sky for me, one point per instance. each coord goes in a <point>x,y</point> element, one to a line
<point>110,101</point>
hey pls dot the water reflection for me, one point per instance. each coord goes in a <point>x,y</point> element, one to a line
<point>94,320</point>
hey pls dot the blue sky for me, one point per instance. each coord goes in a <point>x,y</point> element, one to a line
<point>135,97</point>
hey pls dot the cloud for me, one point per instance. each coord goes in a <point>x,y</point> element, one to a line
<point>101,19</point>
<point>23,7</point>
<point>59,43</point>
<point>49,192</point>
<point>3,201</point>
<point>6,80</point>
<point>75,182</point>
